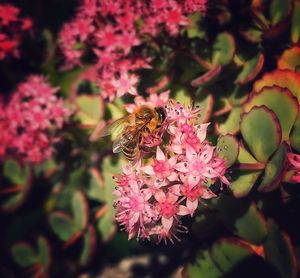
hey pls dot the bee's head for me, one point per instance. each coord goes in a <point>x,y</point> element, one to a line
<point>162,114</point>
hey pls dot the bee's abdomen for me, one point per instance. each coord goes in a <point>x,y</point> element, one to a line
<point>131,150</point>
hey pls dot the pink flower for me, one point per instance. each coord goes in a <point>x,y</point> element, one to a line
<point>154,100</point>
<point>167,207</point>
<point>162,167</point>
<point>112,31</point>
<point>191,6</point>
<point>12,28</point>
<point>125,84</point>
<point>29,120</point>
<point>172,184</point>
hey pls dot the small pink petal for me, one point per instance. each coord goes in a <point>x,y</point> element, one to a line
<point>159,154</point>
<point>183,210</point>
<point>181,167</point>
<point>167,222</point>
<point>148,170</point>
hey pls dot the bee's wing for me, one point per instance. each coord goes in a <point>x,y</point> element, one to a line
<point>125,138</point>
<point>115,129</point>
<point>118,144</point>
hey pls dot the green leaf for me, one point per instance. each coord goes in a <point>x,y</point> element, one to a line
<point>295,134</point>
<point>244,181</point>
<point>232,123</point>
<point>223,49</point>
<point>193,30</point>
<point>261,131</point>
<point>115,111</point>
<point>13,202</point>
<point>279,10</point>
<point>243,219</point>
<point>90,109</point>
<point>44,252</point>
<point>228,148</point>
<point>23,254</point>
<point>282,78</point>
<point>230,253</point>
<point>290,59</point>
<point>274,170</point>
<point>279,251</point>
<point>68,79</point>
<point>106,224</point>
<point>252,34</point>
<point>295,28</point>
<point>252,225</point>
<point>62,225</point>
<point>281,101</point>
<point>94,188</point>
<point>251,68</point>
<point>89,244</point>
<point>204,266</point>
<point>242,185</point>
<point>208,77</point>
<point>182,95</point>
<point>80,209</point>
<point>15,172</point>
<point>205,103</point>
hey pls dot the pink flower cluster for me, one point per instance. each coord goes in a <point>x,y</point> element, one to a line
<point>153,195</point>
<point>112,29</point>
<point>294,160</point>
<point>12,29</point>
<point>29,121</point>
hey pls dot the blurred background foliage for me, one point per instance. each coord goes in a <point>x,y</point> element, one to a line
<point>240,63</point>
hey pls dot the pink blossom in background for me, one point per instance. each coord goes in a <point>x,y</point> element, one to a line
<point>154,194</point>
<point>113,31</point>
<point>12,27</point>
<point>294,160</point>
<point>29,122</point>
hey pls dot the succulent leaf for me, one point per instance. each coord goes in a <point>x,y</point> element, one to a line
<point>229,253</point>
<point>274,170</point>
<point>224,49</point>
<point>80,209</point>
<point>281,101</point>
<point>208,77</point>
<point>206,105</point>
<point>261,131</point>
<point>232,123</point>
<point>89,244</point>
<point>282,78</point>
<point>251,69</point>
<point>23,254</point>
<point>280,10</point>
<point>90,109</point>
<point>14,171</point>
<point>280,252</point>
<point>295,28</point>
<point>44,252</point>
<point>241,184</point>
<point>204,266</point>
<point>290,59</point>
<point>62,225</point>
<point>295,134</point>
<point>106,224</point>
<point>228,148</point>
<point>238,216</point>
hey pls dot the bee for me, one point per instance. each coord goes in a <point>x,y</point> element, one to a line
<point>131,131</point>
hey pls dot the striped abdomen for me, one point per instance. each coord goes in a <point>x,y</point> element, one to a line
<point>131,144</point>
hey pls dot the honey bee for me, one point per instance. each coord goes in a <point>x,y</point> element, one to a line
<point>131,131</point>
